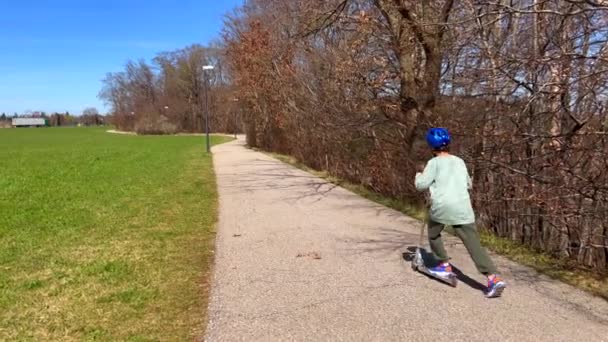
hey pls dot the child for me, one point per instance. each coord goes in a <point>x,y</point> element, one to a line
<point>448,181</point>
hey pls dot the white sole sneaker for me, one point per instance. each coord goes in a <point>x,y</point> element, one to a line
<point>497,290</point>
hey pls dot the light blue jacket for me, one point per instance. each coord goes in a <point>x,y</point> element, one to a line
<point>448,181</point>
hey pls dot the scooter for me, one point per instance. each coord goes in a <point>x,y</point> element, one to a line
<point>418,263</point>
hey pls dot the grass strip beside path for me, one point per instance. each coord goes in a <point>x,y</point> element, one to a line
<point>103,236</point>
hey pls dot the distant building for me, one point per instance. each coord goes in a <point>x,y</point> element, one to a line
<point>30,122</point>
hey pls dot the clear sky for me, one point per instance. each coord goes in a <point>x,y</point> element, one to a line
<point>54,53</point>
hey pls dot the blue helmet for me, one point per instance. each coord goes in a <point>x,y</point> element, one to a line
<point>438,138</point>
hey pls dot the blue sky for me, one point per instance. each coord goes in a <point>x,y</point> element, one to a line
<point>54,53</point>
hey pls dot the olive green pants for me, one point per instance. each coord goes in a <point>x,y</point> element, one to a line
<point>469,236</point>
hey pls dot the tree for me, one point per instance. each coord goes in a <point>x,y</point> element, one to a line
<point>90,117</point>
<point>56,119</point>
<point>168,95</point>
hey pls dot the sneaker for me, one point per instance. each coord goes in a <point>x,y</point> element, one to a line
<point>495,287</point>
<point>443,270</point>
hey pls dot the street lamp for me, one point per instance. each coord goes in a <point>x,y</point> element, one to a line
<point>236,100</point>
<point>207,68</point>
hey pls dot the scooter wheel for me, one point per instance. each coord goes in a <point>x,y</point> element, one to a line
<point>454,281</point>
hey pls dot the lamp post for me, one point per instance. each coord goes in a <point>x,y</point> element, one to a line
<point>206,68</point>
<point>236,100</point>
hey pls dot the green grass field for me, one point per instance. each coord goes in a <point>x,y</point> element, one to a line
<point>103,236</point>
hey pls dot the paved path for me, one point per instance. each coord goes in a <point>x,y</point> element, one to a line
<point>302,260</point>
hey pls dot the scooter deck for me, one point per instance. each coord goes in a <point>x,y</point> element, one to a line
<point>418,263</point>
<point>451,280</point>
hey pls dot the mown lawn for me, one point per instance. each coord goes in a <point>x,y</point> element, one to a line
<point>103,236</point>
